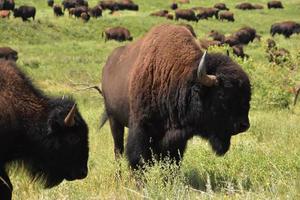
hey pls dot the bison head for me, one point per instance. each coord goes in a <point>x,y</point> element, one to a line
<point>225,100</point>
<point>17,13</point>
<point>64,147</point>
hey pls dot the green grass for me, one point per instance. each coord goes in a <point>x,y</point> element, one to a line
<point>263,163</point>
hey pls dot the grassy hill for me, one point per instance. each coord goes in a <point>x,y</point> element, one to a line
<point>63,54</point>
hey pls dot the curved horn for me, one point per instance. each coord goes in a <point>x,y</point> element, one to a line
<point>70,118</point>
<point>207,80</point>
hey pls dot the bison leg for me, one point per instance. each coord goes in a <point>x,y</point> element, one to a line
<point>139,147</point>
<point>5,186</point>
<point>117,130</point>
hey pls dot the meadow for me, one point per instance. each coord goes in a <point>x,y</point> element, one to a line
<point>62,55</point>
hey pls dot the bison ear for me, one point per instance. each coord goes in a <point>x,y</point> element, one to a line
<point>207,80</point>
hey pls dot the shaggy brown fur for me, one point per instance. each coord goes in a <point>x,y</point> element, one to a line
<point>151,87</point>
<point>117,33</point>
<point>221,6</point>
<point>217,36</point>
<point>287,28</point>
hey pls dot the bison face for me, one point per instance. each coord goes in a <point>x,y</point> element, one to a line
<point>17,13</point>
<point>65,146</point>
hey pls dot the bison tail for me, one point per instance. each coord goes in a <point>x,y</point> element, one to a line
<point>103,119</point>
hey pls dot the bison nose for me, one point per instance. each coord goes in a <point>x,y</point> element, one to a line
<point>82,173</point>
<point>243,126</point>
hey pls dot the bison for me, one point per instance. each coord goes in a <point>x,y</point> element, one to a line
<point>227,15</point>
<point>275,54</point>
<point>85,16</point>
<point>57,10</point>
<point>127,5</point>
<point>117,33</point>
<point>4,13</point>
<point>287,28</point>
<point>8,53</point>
<point>160,13</point>
<point>205,13</point>
<point>274,4</point>
<point>109,4</point>
<point>217,36</point>
<point>50,3</point>
<point>232,40</point>
<point>7,4</point>
<point>25,12</point>
<point>166,90</point>
<point>96,11</point>
<point>78,11</point>
<point>246,35</point>
<point>186,14</point>
<point>48,135</point>
<point>221,6</point>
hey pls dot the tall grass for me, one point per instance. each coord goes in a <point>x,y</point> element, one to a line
<point>263,163</point>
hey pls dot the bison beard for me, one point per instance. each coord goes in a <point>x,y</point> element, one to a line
<point>48,135</point>
<point>152,87</point>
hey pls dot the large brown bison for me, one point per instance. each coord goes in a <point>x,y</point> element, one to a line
<point>8,53</point>
<point>7,4</point>
<point>226,15</point>
<point>25,12</point>
<point>48,135</point>
<point>274,4</point>
<point>165,90</point>
<point>109,5</point>
<point>186,14</point>
<point>248,6</point>
<point>286,28</point>
<point>68,4</point>
<point>246,35</point>
<point>127,5</point>
<point>50,3</point>
<point>117,33</point>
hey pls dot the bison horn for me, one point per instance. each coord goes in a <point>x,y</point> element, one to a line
<point>70,118</point>
<point>207,80</point>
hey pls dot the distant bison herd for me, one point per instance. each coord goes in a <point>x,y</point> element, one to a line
<point>165,87</point>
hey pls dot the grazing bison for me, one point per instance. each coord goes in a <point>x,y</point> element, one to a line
<point>117,33</point>
<point>4,13</point>
<point>8,53</point>
<point>205,44</point>
<point>246,35</point>
<point>186,14</point>
<point>85,17</point>
<point>157,88</point>
<point>57,10</point>
<point>274,4</point>
<point>48,135</point>
<point>248,6</point>
<point>160,13</point>
<point>286,28</point>
<point>25,12</point>
<point>127,5</point>
<point>7,4</point>
<point>50,3</point>
<point>68,4</point>
<point>217,36</point>
<point>174,6</point>
<point>205,13</point>
<point>96,11</point>
<point>231,40</point>
<point>227,15</point>
<point>221,6</point>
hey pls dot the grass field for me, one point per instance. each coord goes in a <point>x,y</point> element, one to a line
<point>263,163</point>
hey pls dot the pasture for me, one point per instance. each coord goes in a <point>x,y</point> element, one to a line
<point>63,54</point>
